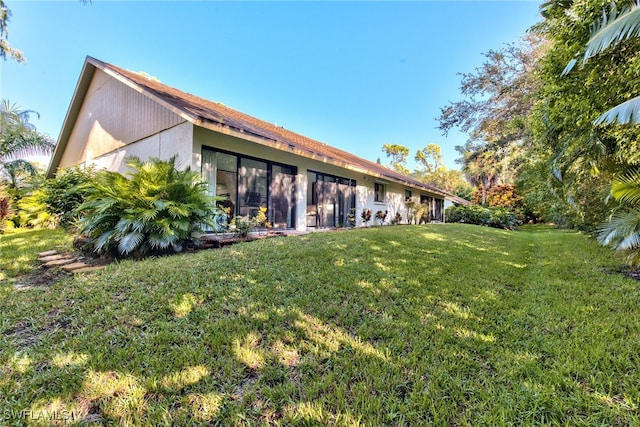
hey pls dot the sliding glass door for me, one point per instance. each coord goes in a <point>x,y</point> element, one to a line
<point>330,200</point>
<point>248,184</point>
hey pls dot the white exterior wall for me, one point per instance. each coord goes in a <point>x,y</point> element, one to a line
<point>394,192</point>
<point>174,141</point>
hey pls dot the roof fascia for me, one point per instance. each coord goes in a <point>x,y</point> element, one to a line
<point>216,127</point>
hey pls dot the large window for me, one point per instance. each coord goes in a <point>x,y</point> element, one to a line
<point>249,184</point>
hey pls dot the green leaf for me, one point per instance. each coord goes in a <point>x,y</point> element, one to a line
<point>626,113</point>
<point>130,242</point>
<point>614,29</point>
<point>626,188</point>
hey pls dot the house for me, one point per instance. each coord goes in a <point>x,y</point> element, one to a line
<point>303,183</point>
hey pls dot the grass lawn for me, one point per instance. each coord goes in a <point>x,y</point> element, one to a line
<point>19,249</point>
<point>406,325</point>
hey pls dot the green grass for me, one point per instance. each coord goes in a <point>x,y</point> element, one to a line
<point>407,325</point>
<point>19,249</point>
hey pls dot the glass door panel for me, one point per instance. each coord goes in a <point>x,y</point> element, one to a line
<point>252,188</point>
<point>281,206</point>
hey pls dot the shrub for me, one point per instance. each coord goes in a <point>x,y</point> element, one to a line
<point>154,208</point>
<point>366,216</point>
<point>5,210</point>
<point>33,213</point>
<point>65,192</point>
<point>246,224</point>
<point>490,217</point>
<point>381,217</point>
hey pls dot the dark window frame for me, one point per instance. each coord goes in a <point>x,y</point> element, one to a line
<point>379,192</point>
<point>270,164</point>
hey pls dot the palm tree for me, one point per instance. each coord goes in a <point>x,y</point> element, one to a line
<point>612,30</point>
<point>19,139</point>
<point>622,231</point>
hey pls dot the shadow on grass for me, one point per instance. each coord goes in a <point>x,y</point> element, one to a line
<point>406,325</point>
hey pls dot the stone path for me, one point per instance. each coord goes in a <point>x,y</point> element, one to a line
<point>66,261</point>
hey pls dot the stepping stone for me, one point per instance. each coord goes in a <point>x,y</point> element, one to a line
<point>59,262</point>
<point>74,266</point>
<point>88,269</point>
<point>54,257</point>
<point>47,253</point>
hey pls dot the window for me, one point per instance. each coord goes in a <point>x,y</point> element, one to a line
<point>247,184</point>
<point>331,200</point>
<point>407,195</point>
<point>379,192</point>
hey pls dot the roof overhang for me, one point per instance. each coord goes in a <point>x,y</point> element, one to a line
<point>88,71</point>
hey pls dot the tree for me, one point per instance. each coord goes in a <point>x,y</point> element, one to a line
<point>612,30</point>
<point>5,48</point>
<point>18,139</point>
<point>398,154</point>
<point>479,166</point>
<point>579,157</point>
<point>498,98</point>
<point>430,157</point>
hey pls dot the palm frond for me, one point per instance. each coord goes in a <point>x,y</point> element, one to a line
<point>626,113</point>
<point>622,231</point>
<point>130,242</point>
<point>626,188</point>
<point>613,29</point>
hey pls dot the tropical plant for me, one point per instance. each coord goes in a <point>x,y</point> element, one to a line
<point>5,48</point>
<point>381,217</point>
<point>5,210</point>
<point>19,139</point>
<point>622,231</point>
<point>153,208</point>
<point>365,216</point>
<point>33,213</point>
<point>614,28</point>
<point>65,192</point>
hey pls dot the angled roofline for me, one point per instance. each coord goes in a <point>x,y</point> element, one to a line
<point>254,130</point>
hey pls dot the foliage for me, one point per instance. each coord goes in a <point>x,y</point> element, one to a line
<point>498,98</point>
<point>622,231</point>
<point>398,154</point>
<point>613,29</point>
<point>365,215</point>
<point>371,327</point>
<point>397,219</point>
<point>501,196</point>
<point>19,138</point>
<point>430,157</point>
<point>381,217</point>
<point>33,212</point>
<point>153,208</point>
<point>66,192</point>
<point>246,224</point>
<point>5,48</point>
<point>5,209</point>
<point>491,217</point>
<point>581,157</point>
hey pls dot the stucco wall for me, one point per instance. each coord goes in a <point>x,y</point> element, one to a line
<point>395,193</point>
<point>174,141</point>
<point>113,116</point>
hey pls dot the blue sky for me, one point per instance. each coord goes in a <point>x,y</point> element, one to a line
<point>355,75</point>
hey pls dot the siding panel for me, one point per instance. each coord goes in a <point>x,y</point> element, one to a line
<point>112,116</point>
